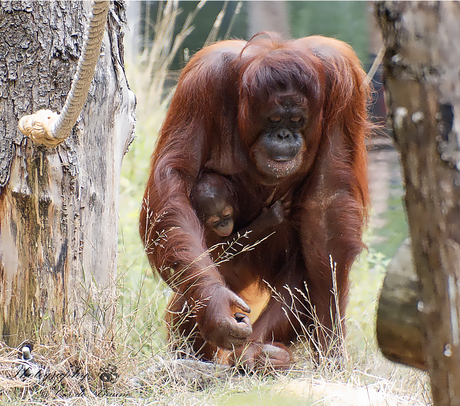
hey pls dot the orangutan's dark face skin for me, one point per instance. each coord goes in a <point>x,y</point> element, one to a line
<point>278,150</point>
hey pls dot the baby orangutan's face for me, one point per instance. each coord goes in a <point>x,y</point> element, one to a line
<point>221,222</point>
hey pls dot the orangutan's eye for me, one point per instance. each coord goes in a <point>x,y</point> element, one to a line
<point>275,118</point>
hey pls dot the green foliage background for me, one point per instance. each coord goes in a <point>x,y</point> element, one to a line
<point>345,20</point>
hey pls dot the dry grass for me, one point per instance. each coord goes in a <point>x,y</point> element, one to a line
<point>135,363</point>
<point>138,366</point>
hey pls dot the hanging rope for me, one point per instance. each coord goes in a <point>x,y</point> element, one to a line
<point>377,61</point>
<point>50,129</point>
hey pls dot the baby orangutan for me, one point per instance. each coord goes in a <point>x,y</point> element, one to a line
<point>214,201</point>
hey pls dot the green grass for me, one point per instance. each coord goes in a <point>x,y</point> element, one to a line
<point>396,229</point>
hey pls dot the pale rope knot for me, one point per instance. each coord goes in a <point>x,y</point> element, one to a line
<point>38,127</point>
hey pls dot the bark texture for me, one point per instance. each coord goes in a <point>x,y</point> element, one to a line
<point>59,207</point>
<point>422,70</point>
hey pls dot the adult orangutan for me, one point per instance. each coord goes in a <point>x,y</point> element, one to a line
<point>283,121</point>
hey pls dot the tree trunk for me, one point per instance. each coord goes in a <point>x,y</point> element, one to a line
<point>59,207</point>
<point>422,70</point>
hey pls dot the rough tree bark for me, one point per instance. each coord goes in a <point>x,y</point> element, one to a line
<point>59,207</point>
<point>422,70</point>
